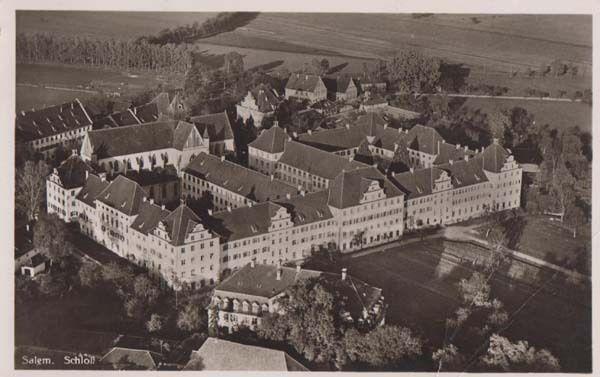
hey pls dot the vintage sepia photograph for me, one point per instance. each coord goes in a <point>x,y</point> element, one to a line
<point>302,191</point>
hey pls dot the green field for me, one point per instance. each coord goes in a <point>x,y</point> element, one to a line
<point>557,114</point>
<point>421,290</point>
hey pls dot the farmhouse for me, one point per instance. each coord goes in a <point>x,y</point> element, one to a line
<point>304,86</point>
<point>45,129</point>
<point>342,88</point>
<point>259,103</point>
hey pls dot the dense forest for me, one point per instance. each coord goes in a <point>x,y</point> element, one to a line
<point>109,53</point>
<point>221,23</point>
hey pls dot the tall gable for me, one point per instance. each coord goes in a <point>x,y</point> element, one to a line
<point>271,141</point>
<point>349,187</point>
<point>216,125</point>
<point>124,195</point>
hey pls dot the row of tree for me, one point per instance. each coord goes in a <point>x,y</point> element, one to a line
<point>104,53</point>
<point>221,23</point>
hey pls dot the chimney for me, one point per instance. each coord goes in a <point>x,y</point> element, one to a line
<point>279,269</point>
<point>288,196</point>
<point>228,208</point>
<point>406,131</point>
<point>299,188</point>
<point>295,134</point>
<point>412,170</point>
<point>151,201</point>
<point>55,171</point>
<point>272,177</point>
<point>466,148</point>
<point>74,152</point>
<point>306,77</point>
<point>222,158</point>
<point>457,146</point>
<point>210,212</point>
<point>87,174</point>
<point>102,177</point>
<point>310,132</point>
<point>344,273</point>
<point>276,123</point>
<point>298,268</point>
<point>27,227</point>
<point>438,146</point>
<point>162,207</point>
<point>495,140</point>
<point>302,193</point>
<point>144,199</point>
<point>451,161</point>
<point>250,204</point>
<point>385,126</point>
<point>253,263</point>
<point>347,126</point>
<point>466,157</point>
<point>395,147</point>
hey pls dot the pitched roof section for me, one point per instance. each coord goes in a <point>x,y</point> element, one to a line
<point>316,161</point>
<point>335,139</point>
<point>141,358</point>
<point>348,188</point>
<point>303,82</point>
<point>216,125</point>
<point>338,84</point>
<point>93,186</point>
<point>265,98</point>
<point>243,222</point>
<point>418,183</point>
<point>448,152</point>
<point>148,218</point>
<point>124,195</point>
<point>493,157</point>
<point>147,113</point>
<point>50,121</point>
<point>261,280</point>
<point>126,140</point>
<point>465,173</point>
<point>271,141</point>
<point>72,172</point>
<point>221,355</point>
<point>238,179</point>
<point>424,139</point>
<point>308,208</point>
<point>180,223</point>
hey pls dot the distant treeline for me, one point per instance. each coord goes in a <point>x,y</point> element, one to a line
<point>221,23</point>
<point>109,53</point>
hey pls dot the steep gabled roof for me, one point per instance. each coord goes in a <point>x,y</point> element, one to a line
<point>72,172</point>
<point>125,118</point>
<point>180,223</point>
<point>493,157</point>
<point>147,113</point>
<point>348,187</point>
<point>93,186</point>
<point>424,139</point>
<point>371,123</point>
<point>216,125</point>
<point>243,222</point>
<point>465,173</point>
<point>448,152</point>
<point>303,82</point>
<point>126,140</point>
<point>142,358</point>
<point>124,195</point>
<point>148,218</point>
<point>222,355</point>
<point>417,183</point>
<point>315,161</point>
<point>50,121</point>
<point>308,208</point>
<point>271,140</point>
<point>338,84</point>
<point>238,179</point>
<point>265,98</point>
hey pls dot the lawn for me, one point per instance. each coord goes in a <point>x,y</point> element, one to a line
<point>547,240</point>
<point>421,291</point>
<point>557,114</point>
<point>28,97</point>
